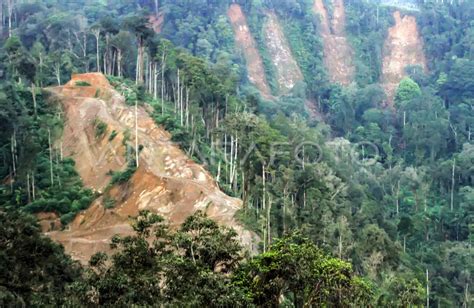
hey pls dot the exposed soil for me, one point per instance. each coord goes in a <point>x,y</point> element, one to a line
<point>338,54</point>
<point>403,47</point>
<point>49,221</point>
<point>157,22</point>
<point>167,181</point>
<point>287,69</point>
<point>245,41</point>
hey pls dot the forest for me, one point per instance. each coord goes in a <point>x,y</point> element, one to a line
<point>360,205</point>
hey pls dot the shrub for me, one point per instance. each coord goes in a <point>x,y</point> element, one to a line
<point>120,177</point>
<point>113,135</point>
<point>82,84</point>
<point>100,128</point>
<point>109,203</point>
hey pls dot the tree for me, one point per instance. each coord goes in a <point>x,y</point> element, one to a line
<point>295,269</point>
<point>156,266</point>
<point>406,91</point>
<point>34,270</point>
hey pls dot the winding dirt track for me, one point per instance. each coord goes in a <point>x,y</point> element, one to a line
<point>167,181</point>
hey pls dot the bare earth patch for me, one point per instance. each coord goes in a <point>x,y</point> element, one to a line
<point>167,181</point>
<point>287,69</point>
<point>338,54</point>
<point>245,41</point>
<point>403,47</point>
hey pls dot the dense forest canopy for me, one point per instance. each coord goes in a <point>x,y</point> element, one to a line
<point>360,189</point>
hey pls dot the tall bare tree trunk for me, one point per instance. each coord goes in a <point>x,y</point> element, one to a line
<point>269,225</point>
<point>1,19</point>
<point>140,61</point>
<point>50,157</point>
<point>10,5</point>
<point>33,190</point>
<point>163,67</point>
<point>96,33</point>
<point>157,7</point>
<point>427,289</point>
<point>452,185</point>
<point>33,94</point>
<point>13,151</point>
<point>28,191</point>
<point>136,133</point>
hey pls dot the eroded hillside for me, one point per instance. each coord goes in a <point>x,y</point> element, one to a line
<point>245,41</point>
<point>287,70</point>
<point>167,181</point>
<point>338,54</point>
<point>403,47</point>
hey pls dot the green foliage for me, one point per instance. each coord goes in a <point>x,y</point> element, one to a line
<point>121,177</point>
<point>113,134</point>
<point>193,262</point>
<point>109,203</point>
<point>200,264</point>
<point>100,128</point>
<point>82,84</point>
<point>324,280</point>
<point>407,90</point>
<point>390,216</point>
<point>34,270</point>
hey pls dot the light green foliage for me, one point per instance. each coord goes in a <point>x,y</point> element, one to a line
<point>407,90</point>
<point>324,280</point>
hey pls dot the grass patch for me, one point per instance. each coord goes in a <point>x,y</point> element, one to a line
<point>109,202</point>
<point>100,128</point>
<point>82,84</point>
<point>113,135</point>
<point>120,177</point>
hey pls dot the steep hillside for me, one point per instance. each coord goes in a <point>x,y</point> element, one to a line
<point>246,42</point>
<point>166,182</point>
<point>403,47</point>
<point>287,70</point>
<point>157,21</point>
<point>338,54</point>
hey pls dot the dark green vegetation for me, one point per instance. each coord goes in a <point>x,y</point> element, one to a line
<point>392,220</point>
<point>34,271</point>
<point>201,264</point>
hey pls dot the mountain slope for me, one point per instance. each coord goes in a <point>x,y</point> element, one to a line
<point>287,70</point>
<point>338,54</point>
<point>167,181</point>
<point>403,47</point>
<point>245,41</point>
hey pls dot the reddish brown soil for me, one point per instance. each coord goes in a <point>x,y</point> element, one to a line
<point>49,222</point>
<point>157,22</point>
<point>167,181</point>
<point>338,54</point>
<point>245,41</point>
<point>287,69</point>
<point>403,47</point>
